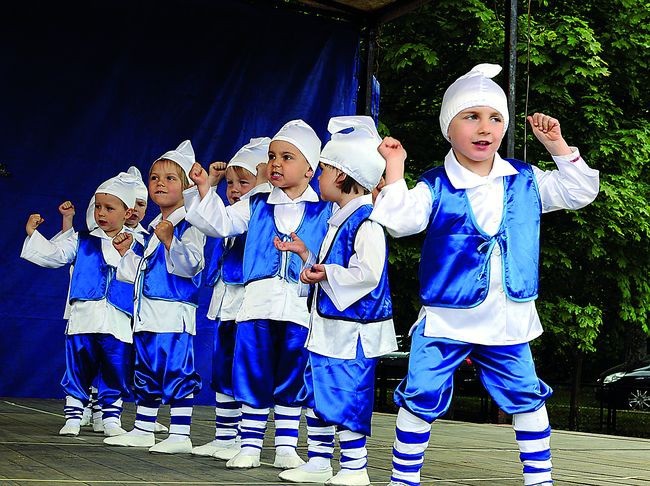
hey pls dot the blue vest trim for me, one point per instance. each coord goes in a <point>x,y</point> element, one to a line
<point>227,262</point>
<point>455,265</point>
<point>159,284</point>
<point>94,279</point>
<point>261,259</point>
<point>374,307</point>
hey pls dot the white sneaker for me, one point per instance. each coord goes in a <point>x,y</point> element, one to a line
<point>350,478</point>
<point>131,439</point>
<point>159,428</point>
<point>243,461</point>
<point>305,474</point>
<point>206,450</point>
<point>86,417</point>
<point>227,453</point>
<point>173,445</point>
<point>98,427</point>
<point>71,430</point>
<point>112,430</point>
<point>289,460</point>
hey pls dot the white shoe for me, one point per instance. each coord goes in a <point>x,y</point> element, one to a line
<point>396,483</point>
<point>350,478</point>
<point>98,426</point>
<point>227,453</point>
<point>131,439</point>
<point>304,475</point>
<point>241,461</point>
<point>206,450</point>
<point>172,445</point>
<point>159,428</point>
<point>287,461</point>
<point>86,417</point>
<point>113,430</point>
<point>70,430</point>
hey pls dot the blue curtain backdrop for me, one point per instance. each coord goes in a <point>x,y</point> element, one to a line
<point>90,88</point>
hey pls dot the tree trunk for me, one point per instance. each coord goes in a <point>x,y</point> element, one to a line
<point>636,344</point>
<point>575,392</point>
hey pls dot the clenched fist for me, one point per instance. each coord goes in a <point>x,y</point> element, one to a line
<point>165,232</point>
<point>33,222</point>
<point>122,242</point>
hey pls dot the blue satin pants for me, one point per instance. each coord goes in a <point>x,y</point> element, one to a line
<point>223,351</point>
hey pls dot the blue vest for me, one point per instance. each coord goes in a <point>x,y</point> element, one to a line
<point>261,258</point>
<point>227,262</point>
<point>94,279</point>
<point>159,284</point>
<point>455,265</point>
<point>373,307</point>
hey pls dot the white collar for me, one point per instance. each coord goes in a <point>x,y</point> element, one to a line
<point>278,196</point>
<point>99,233</point>
<point>341,214</point>
<point>462,178</point>
<point>174,218</point>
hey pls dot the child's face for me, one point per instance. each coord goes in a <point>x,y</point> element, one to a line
<point>138,213</point>
<point>475,135</point>
<point>110,213</point>
<point>165,185</point>
<point>327,182</point>
<point>288,168</point>
<point>238,182</point>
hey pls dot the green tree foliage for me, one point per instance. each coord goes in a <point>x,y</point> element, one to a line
<point>587,64</point>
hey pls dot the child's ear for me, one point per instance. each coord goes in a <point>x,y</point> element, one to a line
<point>310,173</point>
<point>128,214</point>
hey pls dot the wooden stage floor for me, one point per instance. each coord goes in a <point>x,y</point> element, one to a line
<point>31,453</point>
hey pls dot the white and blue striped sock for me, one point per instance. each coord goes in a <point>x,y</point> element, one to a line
<point>252,428</point>
<point>180,412</point>
<point>145,417</point>
<point>411,440</point>
<point>320,440</point>
<point>73,410</point>
<point>111,413</point>
<point>226,422</point>
<point>354,455</point>
<point>533,434</point>
<point>287,424</point>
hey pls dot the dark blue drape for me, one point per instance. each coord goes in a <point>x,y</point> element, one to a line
<point>89,88</point>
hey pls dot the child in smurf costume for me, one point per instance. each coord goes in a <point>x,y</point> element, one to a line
<point>479,267</point>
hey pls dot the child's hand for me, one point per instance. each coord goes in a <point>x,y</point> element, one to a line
<point>200,177</point>
<point>377,189</point>
<point>392,151</point>
<point>547,130</point>
<point>262,175</point>
<point>314,274</point>
<point>122,242</point>
<point>217,172</point>
<point>165,232</point>
<point>296,246</point>
<point>33,222</point>
<point>66,209</point>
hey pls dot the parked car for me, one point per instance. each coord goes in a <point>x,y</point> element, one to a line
<point>626,386</point>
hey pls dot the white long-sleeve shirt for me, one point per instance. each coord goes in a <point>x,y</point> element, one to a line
<point>90,316</point>
<point>497,320</point>
<point>184,259</point>
<point>226,299</point>
<point>270,298</point>
<point>346,285</point>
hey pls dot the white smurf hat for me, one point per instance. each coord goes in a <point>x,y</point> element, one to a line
<point>355,150</point>
<point>250,155</point>
<point>183,156</point>
<point>304,138</point>
<point>141,191</point>
<point>122,186</point>
<point>475,88</point>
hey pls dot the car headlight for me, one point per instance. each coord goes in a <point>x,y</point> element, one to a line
<point>614,377</point>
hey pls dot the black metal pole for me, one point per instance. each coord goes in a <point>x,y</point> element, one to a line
<point>366,71</point>
<point>510,72</point>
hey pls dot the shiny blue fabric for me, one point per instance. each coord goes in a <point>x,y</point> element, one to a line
<point>311,230</point>
<point>86,356</point>
<point>158,283</point>
<point>341,391</point>
<point>507,373</point>
<point>269,363</point>
<point>455,265</point>
<point>213,269</point>
<point>374,306</point>
<point>223,351</point>
<point>94,279</point>
<point>164,367</point>
<point>226,262</point>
